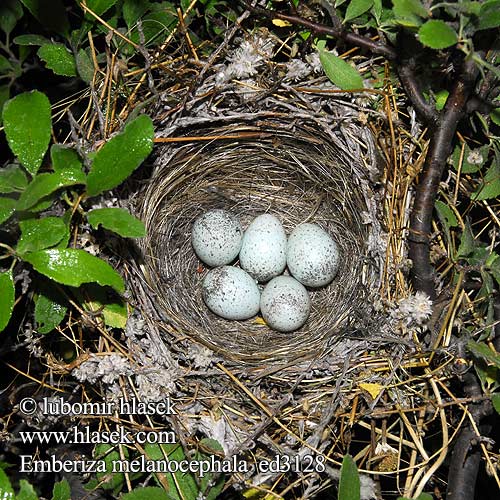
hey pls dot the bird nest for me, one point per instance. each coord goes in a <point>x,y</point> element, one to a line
<point>298,173</point>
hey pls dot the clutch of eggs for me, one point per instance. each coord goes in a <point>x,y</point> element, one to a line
<point>310,253</point>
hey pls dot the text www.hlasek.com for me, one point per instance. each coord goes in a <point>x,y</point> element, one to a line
<point>83,435</point>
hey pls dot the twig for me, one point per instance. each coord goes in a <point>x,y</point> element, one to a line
<point>435,161</point>
<point>336,30</point>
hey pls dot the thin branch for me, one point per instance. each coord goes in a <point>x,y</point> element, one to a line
<point>435,161</point>
<point>337,31</point>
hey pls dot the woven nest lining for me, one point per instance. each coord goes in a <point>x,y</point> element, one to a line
<point>297,174</point>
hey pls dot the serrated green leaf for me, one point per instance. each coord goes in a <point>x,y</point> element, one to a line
<point>436,34</point>
<point>7,207</point>
<point>121,155</point>
<point>473,159</point>
<point>7,296</point>
<point>61,491</point>
<point>341,73</point>
<point>186,483</point>
<point>57,58</point>
<point>50,13</point>
<point>493,264</point>
<point>31,40</point>
<point>26,491</point>
<point>349,485</point>
<point>446,215</point>
<point>99,7</point>
<point>10,12</point>
<point>409,12</point>
<point>118,220</point>
<point>481,350</point>
<point>64,157</point>
<point>85,66</point>
<point>28,124</point>
<point>489,15</point>
<point>356,8</point>
<point>495,116</point>
<point>109,480</point>
<point>133,10</point>
<point>50,309</point>
<point>73,267</point>
<point>146,493</point>
<point>39,234</point>
<point>495,399</point>
<point>490,187</point>
<point>12,179</point>
<point>467,242</point>
<point>45,184</point>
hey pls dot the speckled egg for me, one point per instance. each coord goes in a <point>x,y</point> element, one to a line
<point>285,304</point>
<point>263,250</point>
<point>231,293</point>
<point>312,255</point>
<point>216,237</point>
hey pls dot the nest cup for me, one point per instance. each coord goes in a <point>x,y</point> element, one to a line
<point>299,175</point>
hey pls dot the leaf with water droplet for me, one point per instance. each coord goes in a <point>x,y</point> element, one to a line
<point>39,234</point>
<point>7,298</point>
<point>118,220</point>
<point>73,267</point>
<point>28,123</point>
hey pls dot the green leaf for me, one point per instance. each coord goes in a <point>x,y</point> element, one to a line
<point>4,97</point>
<point>12,179</point>
<point>490,187</point>
<point>73,267</point>
<point>26,491</point>
<point>99,7</point>
<point>50,13</point>
<point>473,159</point>
<point>64,157</point>
<point>495,399</point>
<point>61,491</point>
<point>209,489</point>
<point>7,294</point>
<point>5,65</point>
<point>6,490</point>
<point>422,496</point>
<point>341,73</point>
<point>146,493</point>
<point>495,116</point>
<point>181,486</point>
<point>28,123</point>
<point>436,34</point>
<point>489,15</point>
<point>97,300</point>
<point>409,12</point>
<point>39,234</point>
<point>467,242</point>
<point>85,66</point>
<point>118,220</point>
<point>7,207</point>
<point>31,40</point>
<point>10,12</point>
<point>482,351</point>
<point>121,155</point>
<point>356,8</point>
<point>493,263</point>
<point>441,98</point>
<point>349,485</point>
<point>44,184</point>
<point>57,58</point>
<point>446,215</point>
<point>133,10</point>
<point>50,309</point>
<point>108,480</point>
